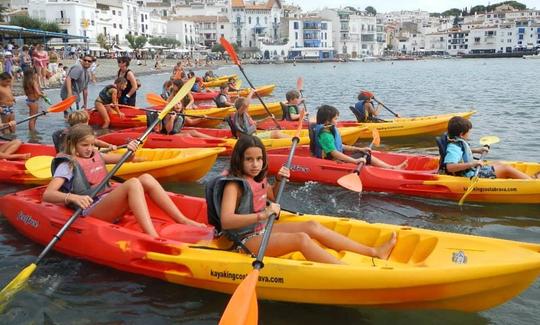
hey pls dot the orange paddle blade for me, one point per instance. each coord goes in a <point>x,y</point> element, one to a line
<point>242,308</point>
<point>351,182</point>
<point>376,137</point>
<point>230,49</point>
<point>300,123</point>
<point>63,105</point>
<point>155,99</point>
<point>300,84</point>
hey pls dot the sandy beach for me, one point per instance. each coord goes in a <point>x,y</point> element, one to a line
<point>108,68</point>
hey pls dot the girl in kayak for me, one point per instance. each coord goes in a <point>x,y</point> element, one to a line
<point>459,155</point>
<point>82,167</point>
<point>223,99</point>
<point>8,149</point>
<point>248,171</point>
<point>110,95</point>
<point>364,109</point>
<point>326,141</point>
<point>241,122</point>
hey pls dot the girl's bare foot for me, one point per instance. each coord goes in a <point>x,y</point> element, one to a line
<point>383,251</point>
<point>403,165</point>
<point>23,156</point>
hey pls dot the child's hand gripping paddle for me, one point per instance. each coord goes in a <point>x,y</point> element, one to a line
<point>486,142</point>
<point>352,181</point>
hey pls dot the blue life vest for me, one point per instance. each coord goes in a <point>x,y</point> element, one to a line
<point>314,144</point>
<point>359,111</point>
<point>443,142</point>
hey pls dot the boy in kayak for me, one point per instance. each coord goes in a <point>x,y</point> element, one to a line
<point>82,166</point>
<point>325,141</point>
<point>231,84</point>
<point>364,109</point>
<point>110,95</point>
<point>291,111</point>
<point>7,114</point>
<point>237,204</point>
<point>459,155</point>
<point>241,122</point>
<point>75,118</point>
<point>223,99</point>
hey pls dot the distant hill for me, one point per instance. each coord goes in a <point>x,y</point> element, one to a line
<point>478,9</point>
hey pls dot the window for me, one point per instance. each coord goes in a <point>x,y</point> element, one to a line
<point>295,25</point>
<point>520,36</point>
<point>477,39</point>
<point>257,20</point>
<point>249,20</point>
<point>222,27</point>
<point>295,35</point>
<point>120,26</point>
<point>114,25</point>
<point>119,13</point>
<point>114,12</point>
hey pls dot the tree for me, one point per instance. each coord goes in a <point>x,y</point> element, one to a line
<point>27,22</point>
<point>103,42</point>
<point>371,10</point>
<point>452,12</point>
<point>136,42</point>
<point>478,10</point>
<point>164,41</point>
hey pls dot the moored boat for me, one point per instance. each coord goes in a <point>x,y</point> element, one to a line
<point>426,269</point>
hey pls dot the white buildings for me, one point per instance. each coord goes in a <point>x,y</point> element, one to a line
<point>253,22</point>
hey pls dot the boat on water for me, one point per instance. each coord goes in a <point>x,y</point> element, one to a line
<point>426,269</point>
<point>420,178</point>
<point>532,57</point>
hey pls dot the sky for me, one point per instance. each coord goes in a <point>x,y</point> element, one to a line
<point>396,5</point>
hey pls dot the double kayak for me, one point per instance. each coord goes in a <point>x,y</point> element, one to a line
<point>392,128</point>
<point>165,165</point>
<point>426,269</point>
<point>210,95</point>
<point>223,137</point>
<point>420,177</point>
<point>134,116</point>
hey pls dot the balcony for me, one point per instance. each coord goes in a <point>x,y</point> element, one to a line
<point>62,21</point>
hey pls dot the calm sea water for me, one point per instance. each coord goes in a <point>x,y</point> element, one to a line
<point>503,91</point>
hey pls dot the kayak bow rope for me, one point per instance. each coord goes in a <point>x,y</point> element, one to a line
<point>232,53</point>
<point>352,181</point>
<point>486,142</point>
<point>23,276</point>
<point>242,307</point>
<point>56,108</point>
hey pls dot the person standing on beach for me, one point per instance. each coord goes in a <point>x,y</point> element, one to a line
<point>129,94</point>
<point>76,82</point>
<point>25,60</point>
<point>40,59</point>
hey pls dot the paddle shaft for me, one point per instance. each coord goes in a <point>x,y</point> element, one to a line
<point>188,115</point>
<point>25,119</point>
<point>94,192</point>
<point>259,97</point>
<point>361,164</point>
<point>375,99</point>
<point>482,156</point>
<point>474,179</point>
<point>258,263</point>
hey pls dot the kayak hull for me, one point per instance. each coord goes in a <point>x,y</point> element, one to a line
<point>393,128</point>
<point>426,270</point>
<point>210,95</point>
<point>419,179</point>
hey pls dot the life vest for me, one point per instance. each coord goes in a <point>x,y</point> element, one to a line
<point>252,200</point>
<point>105,95</point>
<point>443,141</point>
<point>314,144</point>
<point>237,128</point>
<point>219,103</point>
<point>359,111</point>
<point>58,138</point>
<point>128,86</point>
<point>179,122</point>
<point>285,108</point>
<point>87,173</point>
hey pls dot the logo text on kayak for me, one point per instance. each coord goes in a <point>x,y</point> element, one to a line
<point>241,276</point>
<point>298,168</point>
<point>26,219</point>
<point>459,257</point>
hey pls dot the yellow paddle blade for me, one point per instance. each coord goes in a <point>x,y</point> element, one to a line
<point>469,190</point>
<point>242,308</point>
<point>186,88</point>
<point>17,283</point>
<point>39,166</point>
<point>489,140</point>
<point>155,99</point>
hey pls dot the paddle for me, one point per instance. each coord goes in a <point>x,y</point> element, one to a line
<point>352,181</point>
<point>391,111</point>
<point>300,88</point>
<point>56,108</point>
<point>232,53</point>
<point>23,276</point>
<point>242,307</point>
<point>155,99</point>
<point>486,142</point>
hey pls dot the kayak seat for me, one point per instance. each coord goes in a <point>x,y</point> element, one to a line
<point>356,114</point>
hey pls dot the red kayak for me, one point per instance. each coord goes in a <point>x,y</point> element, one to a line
<point>14,171</point>
<point>307,168</point>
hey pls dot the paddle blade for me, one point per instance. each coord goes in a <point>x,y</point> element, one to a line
<point>39,166</point>
<point>300,123</point>
<point>63,105</point>
<point>351,182</point>
<point>242,307</point>
<point>155,99</point>
<point>489,140</point>
<point>376,137</point>
<point>300,84</point>
<point>186,88</point>
<point>230,49</point>
<point>17,283</point>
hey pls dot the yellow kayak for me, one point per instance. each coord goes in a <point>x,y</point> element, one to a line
<point>219,81</point>
<point>412,126</point>
<point>426,269</point>
<point>261,91</point>
<point>167,165</point>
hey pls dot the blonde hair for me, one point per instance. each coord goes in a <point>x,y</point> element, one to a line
<point>78,117</point>
<point>76,134</point>
<point>240,102</point>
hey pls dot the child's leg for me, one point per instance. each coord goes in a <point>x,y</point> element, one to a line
<point>276,134</point>
<point>380,163</point>
<point>8,149</point>
<point>33,109</point>
<point>129,195</point>
<point>334,240</point>
<point>506,171</point>
<point>104,114</point>
<point>162,200</point>
<point>197,134</point>
<point>281,243</point>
